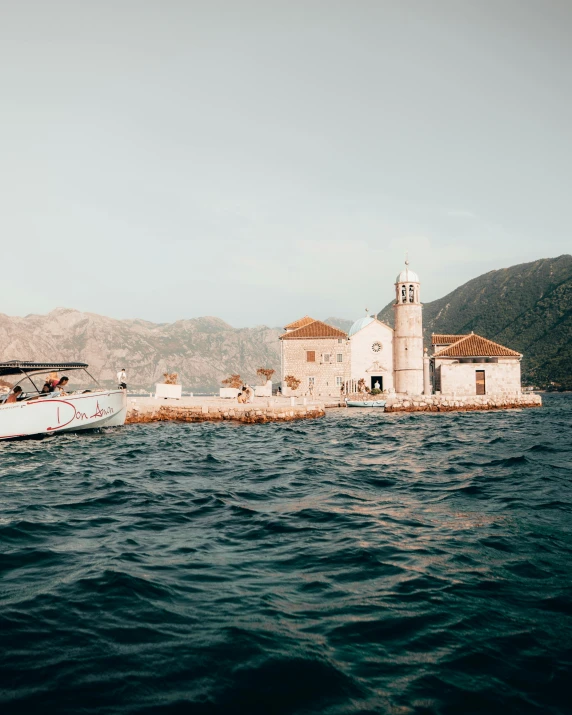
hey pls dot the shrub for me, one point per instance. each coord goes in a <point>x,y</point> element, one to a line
<point>170,378</point>
<point>265,372</point>
<point>375,391</point>
<point>233,381</point>
<point>292,382</point>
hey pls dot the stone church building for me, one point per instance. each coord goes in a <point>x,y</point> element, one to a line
<point>320,360</point>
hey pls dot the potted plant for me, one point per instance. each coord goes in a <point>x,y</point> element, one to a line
<point>231,387</point>
<point>169,387</point>
<point>266,389</point>
<point>292,382</point>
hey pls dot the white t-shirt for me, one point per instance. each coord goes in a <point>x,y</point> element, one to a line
<point>121,376</point>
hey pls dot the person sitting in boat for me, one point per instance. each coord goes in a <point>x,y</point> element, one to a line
<point>60,388</point>
<point>14,395</point>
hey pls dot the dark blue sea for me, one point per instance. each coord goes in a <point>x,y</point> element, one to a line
<point>360,563</point>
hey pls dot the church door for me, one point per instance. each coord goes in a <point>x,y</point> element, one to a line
<point>376,379</point>
<point>481,382</point>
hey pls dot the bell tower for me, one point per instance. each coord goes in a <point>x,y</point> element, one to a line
<point>408,334</point>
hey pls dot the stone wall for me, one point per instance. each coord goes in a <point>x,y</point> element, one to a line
<point>294,362</point>
<point>217,413</point>
<point>450,403</point>
<point>502,378</point>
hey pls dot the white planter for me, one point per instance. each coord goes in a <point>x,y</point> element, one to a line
<point>263,390</point>
<point>168,391</point>
<point>228,392</point>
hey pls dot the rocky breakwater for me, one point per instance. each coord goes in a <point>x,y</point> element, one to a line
<point>149,410</point>
<point>451,403</point>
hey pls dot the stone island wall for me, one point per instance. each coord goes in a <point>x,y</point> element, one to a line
<point>216,413</point>
<point>450,403</point>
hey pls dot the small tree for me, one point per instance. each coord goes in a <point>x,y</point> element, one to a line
<point>233,381</point>
<point>170,378</point>
<point>265,372</point>
<point>292,382</point>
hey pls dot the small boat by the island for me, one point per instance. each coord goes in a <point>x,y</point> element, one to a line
<point>36,413</point>
<point>365,403</point>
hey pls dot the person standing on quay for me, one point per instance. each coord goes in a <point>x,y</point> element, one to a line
<point>122,379</point>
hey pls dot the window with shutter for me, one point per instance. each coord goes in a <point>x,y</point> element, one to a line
<point>310,356</point>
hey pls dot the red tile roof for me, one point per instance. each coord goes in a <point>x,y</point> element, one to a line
<point>315,329</point>
<point>306,320</point>
<point>440,339</point>
<point>476,346</point>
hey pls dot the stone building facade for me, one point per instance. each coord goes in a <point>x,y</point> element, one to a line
<point>371,353</point>
<point>472,365</point>
<point>324,358</point>
<point>316,354</point>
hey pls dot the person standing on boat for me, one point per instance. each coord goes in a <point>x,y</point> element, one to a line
<point>122,379</point>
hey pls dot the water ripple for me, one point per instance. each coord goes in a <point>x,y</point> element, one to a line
<point>363,563</point>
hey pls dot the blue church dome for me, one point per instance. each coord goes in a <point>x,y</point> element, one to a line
<point>359,324</point>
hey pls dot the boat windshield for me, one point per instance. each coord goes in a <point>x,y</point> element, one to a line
<point>36,382</point>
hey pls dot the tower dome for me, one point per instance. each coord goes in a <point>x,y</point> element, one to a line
<point>407,275</point>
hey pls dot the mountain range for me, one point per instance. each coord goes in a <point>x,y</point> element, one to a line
<point>527,307</point>
<point>201,350</point>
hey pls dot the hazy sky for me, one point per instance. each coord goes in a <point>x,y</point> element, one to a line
<point>258,161</point>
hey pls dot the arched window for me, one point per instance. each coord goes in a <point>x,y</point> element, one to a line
<point>411,294</point>
<point>403,294</point>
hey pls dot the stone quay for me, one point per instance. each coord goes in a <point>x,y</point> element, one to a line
<point>215,409</point>
<point>451,403</point>
<point>281,409</point>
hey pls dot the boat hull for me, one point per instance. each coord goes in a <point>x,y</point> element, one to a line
<point>365,403</point>
<point>70,413</point>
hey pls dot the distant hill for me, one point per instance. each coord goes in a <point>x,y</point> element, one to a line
<point>340,323</point>
<point>202,350</point>
<point>527,307</point>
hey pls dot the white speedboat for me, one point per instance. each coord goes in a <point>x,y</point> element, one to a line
<point>365,403</point>
<point>36,413</point>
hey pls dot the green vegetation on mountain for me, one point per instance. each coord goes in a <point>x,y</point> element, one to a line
<point>527,307</point>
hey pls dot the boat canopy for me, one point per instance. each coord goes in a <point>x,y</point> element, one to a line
<point>19,367</point>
